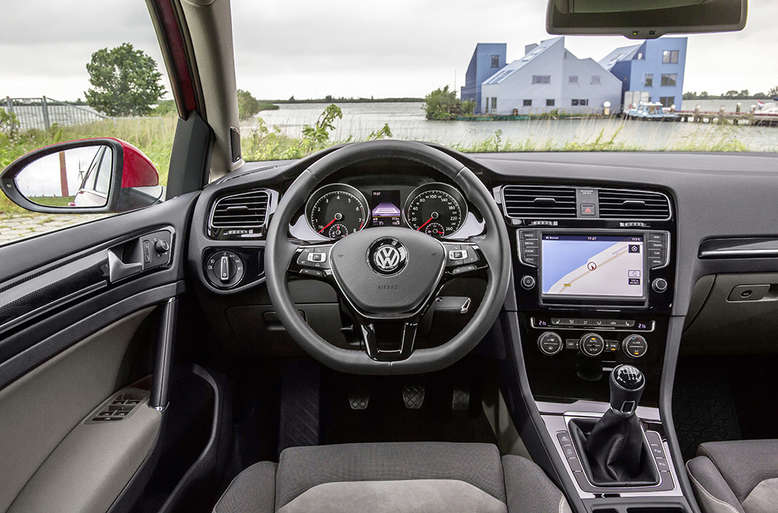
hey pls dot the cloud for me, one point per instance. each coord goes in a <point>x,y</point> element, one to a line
<point>311,48</point>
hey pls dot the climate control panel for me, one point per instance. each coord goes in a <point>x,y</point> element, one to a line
<point>593,345</point>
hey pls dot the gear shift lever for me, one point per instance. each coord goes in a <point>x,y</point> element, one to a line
<point>613,449</point>
<point>626,385</point>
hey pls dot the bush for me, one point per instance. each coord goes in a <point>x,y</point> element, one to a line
<point>442,104</point>
<point>249,106</point>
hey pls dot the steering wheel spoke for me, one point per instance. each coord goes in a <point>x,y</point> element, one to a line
<point>389,347</point>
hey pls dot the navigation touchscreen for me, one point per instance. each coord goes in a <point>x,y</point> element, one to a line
<point>592,265</point>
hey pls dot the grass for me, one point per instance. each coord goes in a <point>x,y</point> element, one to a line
<point>154,136</point>
<point>52,201</point>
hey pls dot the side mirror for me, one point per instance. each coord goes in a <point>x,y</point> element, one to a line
<point>84,176</point>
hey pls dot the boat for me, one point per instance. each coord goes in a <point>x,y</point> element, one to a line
<point>651,112</point>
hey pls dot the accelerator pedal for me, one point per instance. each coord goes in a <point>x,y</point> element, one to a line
<point>460,399</point>
<point>413,396</point>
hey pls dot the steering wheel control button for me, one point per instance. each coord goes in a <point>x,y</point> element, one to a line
<point>456,255</point>
<point>224,269</point>
<point>314,257</point>
<point>550,343</point>
<point>317,258</point>
<point>659,285</point>
<point>464,269</point>
<point>592,345</point>
<point>528,282</point>
<point>388,256</point>
<point>635,346</point>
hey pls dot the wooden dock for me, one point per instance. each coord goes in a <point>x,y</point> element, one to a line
<point>722,117</point>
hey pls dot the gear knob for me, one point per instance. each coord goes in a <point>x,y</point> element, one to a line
<point>626,387</point>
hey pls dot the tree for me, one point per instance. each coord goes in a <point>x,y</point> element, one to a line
<point>772,93</point>
<point>247,104</point>
<point>442,104</point>
<point>125,81</point>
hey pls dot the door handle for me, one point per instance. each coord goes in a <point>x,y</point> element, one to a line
<point>119,269</point>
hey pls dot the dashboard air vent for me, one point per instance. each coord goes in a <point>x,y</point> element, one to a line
<point>241,211</point>
<point>527,201</point>
<point>628,204</point>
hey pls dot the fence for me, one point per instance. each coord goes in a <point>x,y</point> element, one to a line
<point>43,112</point>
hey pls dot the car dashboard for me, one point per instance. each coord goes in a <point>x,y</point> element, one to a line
<point>562,211</point>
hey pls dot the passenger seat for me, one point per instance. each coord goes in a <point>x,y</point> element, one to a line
<point>736,477</point>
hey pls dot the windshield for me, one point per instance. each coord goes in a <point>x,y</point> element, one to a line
<point>482,78</point>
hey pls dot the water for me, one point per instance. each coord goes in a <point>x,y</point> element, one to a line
<point>406,120</point>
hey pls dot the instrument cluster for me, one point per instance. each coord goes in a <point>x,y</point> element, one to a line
<point>338,209</point>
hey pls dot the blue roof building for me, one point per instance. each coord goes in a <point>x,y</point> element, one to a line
<point>655,66</point>
<point>487,59</point>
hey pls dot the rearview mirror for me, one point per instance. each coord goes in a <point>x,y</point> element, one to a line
<point>645,19</point>
<point>84,176</point>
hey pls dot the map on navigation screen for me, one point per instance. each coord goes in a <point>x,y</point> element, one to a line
<point>592,265</point>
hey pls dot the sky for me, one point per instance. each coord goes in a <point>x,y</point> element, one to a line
<point>310,48</point>
<point>42,177</point>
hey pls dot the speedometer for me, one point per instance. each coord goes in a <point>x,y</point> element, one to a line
<point>437,209</point>
<point>337,210</point>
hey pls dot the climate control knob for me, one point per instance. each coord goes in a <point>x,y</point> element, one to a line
<point>592,345</point>
<point>550,343</point>
<point>635,346</point>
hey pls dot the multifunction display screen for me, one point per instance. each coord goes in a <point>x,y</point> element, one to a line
<point>385,208</point>
<point>592,266</point>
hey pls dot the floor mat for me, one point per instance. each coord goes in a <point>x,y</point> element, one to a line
<point>724,398</point>
<point>703,408</point>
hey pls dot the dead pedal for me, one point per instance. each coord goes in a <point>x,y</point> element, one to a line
<point>413,396</point>
<point>460,399</point>
<point>358,400</point>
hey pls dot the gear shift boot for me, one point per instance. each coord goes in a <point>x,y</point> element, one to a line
<point>613,450</point>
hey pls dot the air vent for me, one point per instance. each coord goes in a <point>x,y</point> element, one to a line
<point>528,201</point>
<point>627,204</point>
<point>240,211</point>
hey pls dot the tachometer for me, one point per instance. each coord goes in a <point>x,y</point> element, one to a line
<point>437,209</point>
<point>336,210</point>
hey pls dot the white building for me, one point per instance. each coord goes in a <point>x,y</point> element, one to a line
<point>548,78</point>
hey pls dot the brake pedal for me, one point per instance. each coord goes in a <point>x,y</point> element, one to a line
<point>460,399</point>
<point>359,400</point>
<point>413,396</point>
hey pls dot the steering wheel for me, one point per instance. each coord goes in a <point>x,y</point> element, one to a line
<point>387,275</point>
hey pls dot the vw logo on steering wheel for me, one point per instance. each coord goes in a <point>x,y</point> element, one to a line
<point>387,256</point>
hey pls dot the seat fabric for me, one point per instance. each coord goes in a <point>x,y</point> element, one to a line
<point>425,477</point>
<point>736,477</point>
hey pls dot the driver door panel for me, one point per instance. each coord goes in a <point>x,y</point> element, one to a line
<point>74,344</point>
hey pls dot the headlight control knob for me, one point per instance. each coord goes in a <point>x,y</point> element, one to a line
<point>224,269</point>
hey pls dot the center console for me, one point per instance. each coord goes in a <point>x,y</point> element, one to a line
<point>594,270</point>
